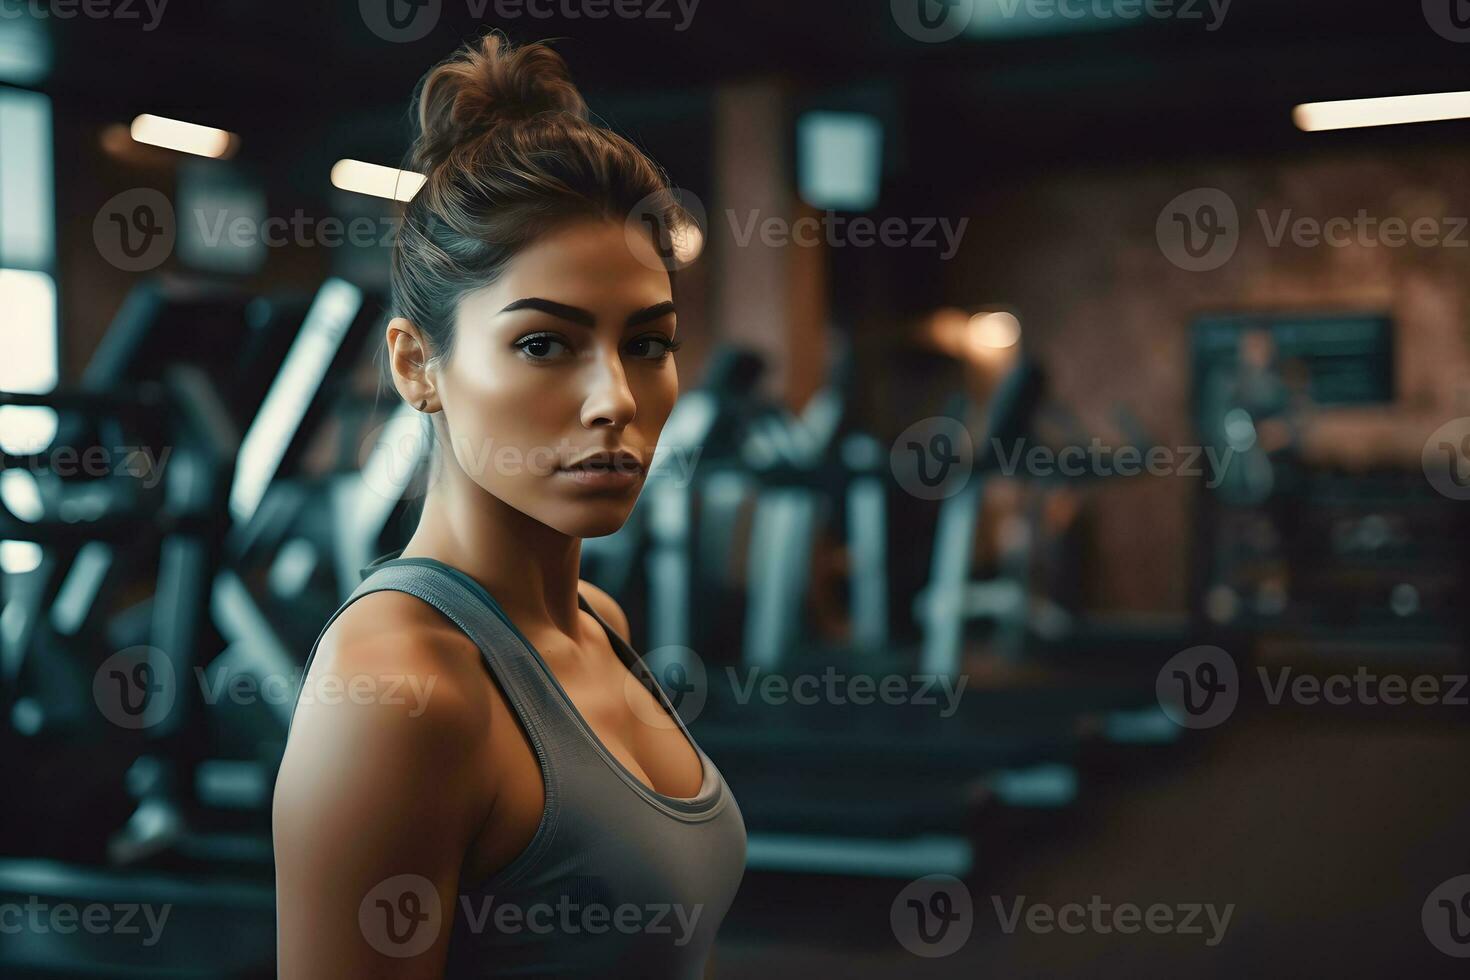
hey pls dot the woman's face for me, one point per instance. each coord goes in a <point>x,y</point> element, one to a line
<point>561,377</point>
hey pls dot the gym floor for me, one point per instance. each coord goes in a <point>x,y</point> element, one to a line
<point>1326,834</point>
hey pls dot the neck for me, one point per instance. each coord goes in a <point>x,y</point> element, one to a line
<point>531,569</point>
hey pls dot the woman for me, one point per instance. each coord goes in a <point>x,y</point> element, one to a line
<point>494,786</point>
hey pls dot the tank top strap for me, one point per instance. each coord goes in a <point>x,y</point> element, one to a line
<point>466,604</point>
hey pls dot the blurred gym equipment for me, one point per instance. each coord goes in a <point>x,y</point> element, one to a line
<point>1017,745</point>
<point>159,412</point>
<point>253,535</point>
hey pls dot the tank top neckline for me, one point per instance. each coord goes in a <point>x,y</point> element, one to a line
<point>702,804</point>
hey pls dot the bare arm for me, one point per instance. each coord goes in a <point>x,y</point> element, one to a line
<point>376,804</point>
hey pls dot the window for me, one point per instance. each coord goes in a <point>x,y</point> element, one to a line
<point>839,160</point>
<point>28,307</point>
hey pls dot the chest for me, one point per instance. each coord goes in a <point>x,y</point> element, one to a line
<point>626,719</point>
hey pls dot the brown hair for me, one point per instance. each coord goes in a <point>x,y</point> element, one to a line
<point>509,154</point>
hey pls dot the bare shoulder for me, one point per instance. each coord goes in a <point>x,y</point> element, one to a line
<point>394,704</point>
<point>358,633</point>
<point>606,607</point>
<point>387,636</point>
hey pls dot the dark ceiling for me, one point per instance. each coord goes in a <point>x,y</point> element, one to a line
<point>283,73</point>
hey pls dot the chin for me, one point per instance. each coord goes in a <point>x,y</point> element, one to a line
<point>594,519</point>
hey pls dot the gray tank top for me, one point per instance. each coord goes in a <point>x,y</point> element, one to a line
<point>619,880</point>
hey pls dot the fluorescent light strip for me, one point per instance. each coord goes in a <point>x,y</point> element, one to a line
<point>1313,117</point>
<point>172,134</point>
<point>375,180</point>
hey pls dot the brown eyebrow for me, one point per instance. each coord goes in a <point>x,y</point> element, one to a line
<point>577,315</point>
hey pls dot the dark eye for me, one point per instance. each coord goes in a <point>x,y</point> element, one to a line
<point>542,346</point>
<point>653,348</point>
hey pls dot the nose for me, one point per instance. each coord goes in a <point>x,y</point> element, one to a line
<point>609,402</point>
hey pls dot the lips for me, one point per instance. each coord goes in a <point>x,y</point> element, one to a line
<point>605,471</point>
<point>607,461</point>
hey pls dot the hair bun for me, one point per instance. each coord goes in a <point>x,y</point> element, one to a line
<point>485,85</point>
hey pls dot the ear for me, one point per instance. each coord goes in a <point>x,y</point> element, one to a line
<point>408,358</point>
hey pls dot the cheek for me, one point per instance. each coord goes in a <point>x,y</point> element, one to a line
<point>500,412</point>
<point>656,397</point>
<point>490,376</point>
